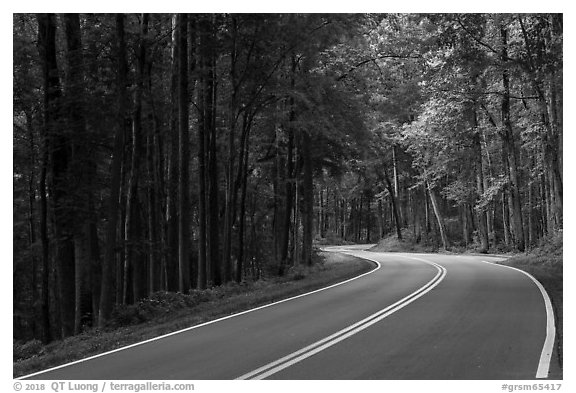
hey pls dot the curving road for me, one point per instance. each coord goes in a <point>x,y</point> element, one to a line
<point>416,316</point>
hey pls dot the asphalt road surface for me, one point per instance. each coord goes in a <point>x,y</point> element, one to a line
<point>416,316</point>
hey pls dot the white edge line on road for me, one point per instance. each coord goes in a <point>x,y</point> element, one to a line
<point>295,357</point>
<point>548,348</point>
<point>378,266</point>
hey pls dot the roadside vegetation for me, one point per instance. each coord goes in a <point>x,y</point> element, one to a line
<point>166,312</point>
<point>545,264</point>
<point>407,243</point>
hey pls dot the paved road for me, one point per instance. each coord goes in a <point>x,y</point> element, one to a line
<point>416,316</point>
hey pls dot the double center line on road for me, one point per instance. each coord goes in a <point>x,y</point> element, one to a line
<point>298,356</point>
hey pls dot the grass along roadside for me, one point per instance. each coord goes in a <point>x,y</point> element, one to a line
<point>168,312</point>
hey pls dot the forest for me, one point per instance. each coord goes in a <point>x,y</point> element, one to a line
<point>180,152</point>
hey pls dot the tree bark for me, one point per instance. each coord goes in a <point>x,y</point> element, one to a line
<point>242,224</point>
<point>42,190</point>
<point>289,176</point>
<point>201,141</point>
<point>208,116</point>
<point>183,158</point>
<point>506,218</point>
<point>83,170</point>
<point>133,262</point>
<point>307,200</point>
<point>229,201</point>
<point>481,215</point>
<point>394,204</point>
<point>381,225</point>
<point>439,217</point>
<point>60,150</point>
<point>509,147</point>
<point>173,172</point>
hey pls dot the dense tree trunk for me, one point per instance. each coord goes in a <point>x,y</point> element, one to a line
<point>244,164</point>
<point>368,217</point>
<point>307,200</point>
<point>173,171</point>
<point>133,261</point>
<point>279,200</point>
<point>509,147</point>
<point>530,236</point>
<point>439,216</point>
<point>46,266</point>
<point>183,158</point>
<point>208,114</point>
<point>60,150</point>
<point>381,225</point>
<point>481,216</point>
<point>289,175</point>
<point>229,201</point>
<point>203,121</point>
<point>393,201</point>
<point>83,171</point>
<point>31,189</point>
<point>506,218</point>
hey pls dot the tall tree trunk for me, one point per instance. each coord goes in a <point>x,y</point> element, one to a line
<point>368,217</point>
<point>307,199</point>
<point>530,237</point>
<point>381,225</point>
<point>83,169</point>
<point>439,216</point>
<point>343,219</point>
<point>45,289</point>
<point>133,261</point>
<point>544,210</point>
<point>481,216</point>
<point>296,216</point>
<point>153,200</point>
<point>201,141</point>
<point>419,196</point>
<point>390,189</point>
<point>426,211</point>
<point>359,217</point>
<point>506,218</point>
<point>122,215</point>
<point>183,158</point>
<point>230,199</point>
<point>173,172</point>
<point>153,203</point>
<point>241,183</point>
<point>214,209</point>
<point>208,115</point>
<point>32,225</point>
<point>60,150</point>
<point>289,176</point>
<point>279,199</point>
<point>242,224</point>
<point>509,147</point>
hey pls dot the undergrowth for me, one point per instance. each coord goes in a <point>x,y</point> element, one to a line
<point>408,243</point>
<point>545,263</point>
<point>166,312</point>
